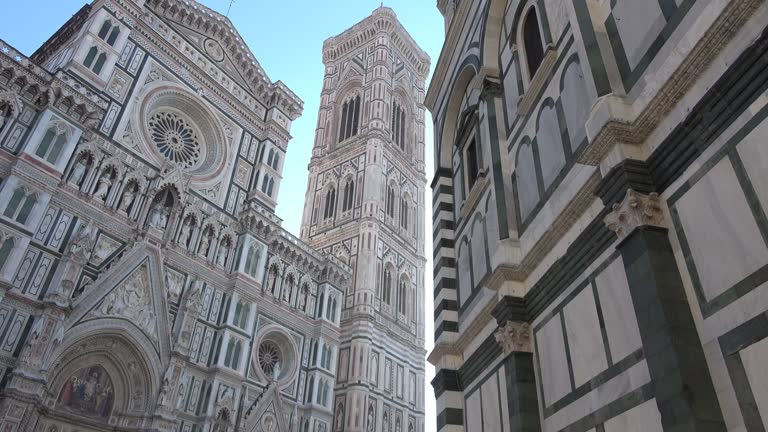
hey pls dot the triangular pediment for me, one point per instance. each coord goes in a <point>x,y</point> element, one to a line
<point>131,295</point>
<point>267,415</point>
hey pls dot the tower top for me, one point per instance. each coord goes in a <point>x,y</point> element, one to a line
<point>382,20</point>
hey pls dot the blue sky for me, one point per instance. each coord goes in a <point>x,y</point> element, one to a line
<point>286,37</point>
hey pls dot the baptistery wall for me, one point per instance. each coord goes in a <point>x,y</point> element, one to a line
<point>599,216</point>
<point>146,282</point>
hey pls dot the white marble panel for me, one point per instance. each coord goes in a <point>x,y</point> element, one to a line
<point>474,413</point>
<point>501,376</point>
<point>754,358</point>
<point>552,364</point>
<point>639,24</point>
<point>723,236</point>
<point>754,155</point>
<point>585,340</point>
<point>642,418</point>
<point>491,410</point>
<point>557,16</point>
<point>618,311</point>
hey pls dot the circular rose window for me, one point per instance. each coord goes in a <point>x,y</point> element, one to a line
<point>175,138</point>
<point>276,358</point>
<point>179,126</point>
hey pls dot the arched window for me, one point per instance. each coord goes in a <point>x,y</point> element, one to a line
<point>104,31</point>
<point>310,390</point>
<point>5,251</point>
<point>532,41</point>
<point>270,157</point>
<point>386,295</point>
<point>402,296</point>
<point>390,201</point>
<point>350,118</point>
<point>320,305</point>
<point>324,357</point>
<point>330,203</point>
<point>20,205</point>
<point>113,36</point>
<point>90,57</point>
<point>270,188</point>
<point>398,125</point>
<point>238,311</point>
<point>349,196</point>
<point>265,182</point>
<point>51,145</point>
<point>230,352</point>
<point>333,309</point>
<point>99,63</point>
<point>252,260</point>
<point>404,212</point>
<point>236,355</point>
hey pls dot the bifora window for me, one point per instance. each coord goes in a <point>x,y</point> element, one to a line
<point>398,125</point>
<point>350,118</point>
<point>175,138</point>
<point>472,164</point>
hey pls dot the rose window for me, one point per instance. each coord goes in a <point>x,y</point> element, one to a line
<point>175,138</point>
<point>269,357</point>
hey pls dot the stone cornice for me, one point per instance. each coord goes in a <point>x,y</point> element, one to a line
<point>383,19</point>
<point>733,18</point>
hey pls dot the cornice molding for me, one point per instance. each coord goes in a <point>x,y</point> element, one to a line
<point>383,19</point>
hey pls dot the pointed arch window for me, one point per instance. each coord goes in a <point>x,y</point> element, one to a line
<point>104,31</point>
<point>93,62</point>
<point>404,212</point>
<point>350,118</point>
<point>5,251</point>
<point>330,203</point>
<point>51,145</point>
<point>106,35</point>
<point>402,296</point>
<point>398,125</point>
<point>532,41</point>
<point>349,193</point>
<point>386,295</point>
<point>20,205</point>
<point>390,201</point>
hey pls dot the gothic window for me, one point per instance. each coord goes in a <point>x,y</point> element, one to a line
<point>104,31</point>
<point>320,305</point>
<point>404,212</point>
<point>270,157</point>
<point>52,144</point>
<point>398,125</point>
<point>90,57</point>
<point>471,164</point>
<point>241,315</point>
<point>314,353</point>
<point>252,260</point>
<point>20,205</point>
<point>402,296</point>
<point>350,118</point>
<point>390,201</point>
<point>5,251</point>
<point>532,42</point>
<point>232,358</point>
<point>330,203</point>
<point>324,358</point>
<point>387,284</point>
<point>349,195</point>
<point>310,389</point>
<point>273,160</point>
<point>333,309</point>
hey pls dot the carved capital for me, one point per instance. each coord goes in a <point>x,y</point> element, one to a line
<point>514,337</point>
<point>634,211</point>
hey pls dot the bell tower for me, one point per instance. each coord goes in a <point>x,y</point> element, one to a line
<point>365,206</point>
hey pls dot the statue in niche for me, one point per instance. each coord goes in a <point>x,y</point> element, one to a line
<point>221,258</point>
<point>78,171</point>
<point>276,371</point>
<point>288,289</point>
<point>339,416</point>
<point>194,298</point>
<point>102,189</point>
<point>162,397</point>
<point>397,424</point>
<point>271,279</point>
<point>205,244</point>
<point>180,397</point>
<point>371,418</point>
<point>303,297</point>
<point>174,282</point>
<point>186,231</point>
<point>129,195</point>
<point>158,217</point>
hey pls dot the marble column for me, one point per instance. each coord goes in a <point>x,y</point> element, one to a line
<point>514,337</point>
<point>682,386</point>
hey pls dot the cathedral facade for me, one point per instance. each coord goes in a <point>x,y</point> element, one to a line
<point>146,282</point>
<point>365,205</point>
<point>600,231</point>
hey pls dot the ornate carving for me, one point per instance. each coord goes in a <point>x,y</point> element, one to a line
<point>514,337</point>
<point>634,211</point>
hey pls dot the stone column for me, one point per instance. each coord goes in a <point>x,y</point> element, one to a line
<point>682,385</point>
<point>514,337</point>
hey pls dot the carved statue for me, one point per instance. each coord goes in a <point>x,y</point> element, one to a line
<point>79,170</point>
<point>82,243</point>
<point>103,187</point>
<point>302,299</point>
<point>186,232</point>
<point>128,197</point>
<point>221,258</point>
<point>158,217</point>
<point>276,371</point>
<point>180,397</point>
<point>162,398</point>
<point>193,299</point>
<point>205,244</point>
<point>287,291</point>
